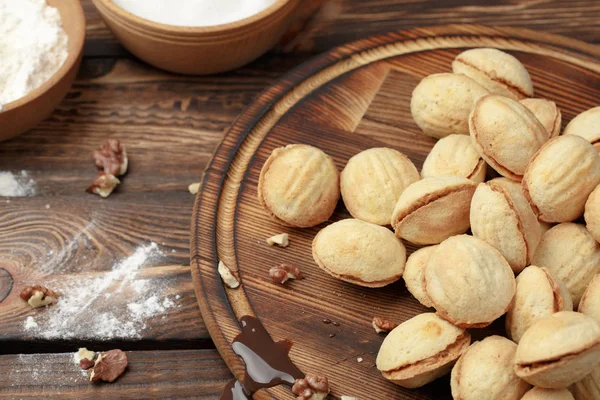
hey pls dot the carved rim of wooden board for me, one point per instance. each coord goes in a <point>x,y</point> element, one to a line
<point>213,221</point>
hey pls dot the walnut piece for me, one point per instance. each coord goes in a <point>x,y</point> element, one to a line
<point>104,184</point>
<point>39,296</point>
<point>194,187</point>
<point>281,240</point>
<point>312,387</point>
<point>281,273</point>
<point>228,278</point>
<point>112,158</point>
<point>109,366</point>
<point>383,324</point>
<point>84,358</point>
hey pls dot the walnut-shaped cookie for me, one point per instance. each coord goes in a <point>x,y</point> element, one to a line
<point>572,256</point>
<point>421,350</point>
<point>558,350</point>
<point>469,282</point>
<point>359,252</point>
<point>590,301</point>
<point>501,216</point>
<point>433,209</point>
<point>506,134</point>
<point>589,387</point>
<point>549,394</point>
<point>299,186</point>
<point>454,155</point>
<point>414,272</point>
<point>441,103</point>
<point>497,71</point>
<point>372,182</point>
<point>560,178</point>
<point>486,371</point>
<point>592,213</point>
<point>586,125</point>
<point>539,294</point>
<point>547,112</point>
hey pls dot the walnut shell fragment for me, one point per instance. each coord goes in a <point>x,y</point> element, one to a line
<point>38,296</point>
<point>109,366</point>
<point>495,70</point>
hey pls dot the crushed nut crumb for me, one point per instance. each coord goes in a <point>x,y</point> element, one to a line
<point>312,387</point>
<point>38,296</point>
<point>109,366</point>
<point>281,240</point>
<point>111,157</point>
<point>281,273</point>
<point>227,276</point>
<point>194,187</point>
<point>104,184</point>
<point>359,359</point>
<point>383,324</point>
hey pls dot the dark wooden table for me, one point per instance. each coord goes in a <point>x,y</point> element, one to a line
<point>170,125</point>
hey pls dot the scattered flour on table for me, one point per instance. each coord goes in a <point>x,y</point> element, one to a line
<point>33,46</point>
<point>44,369</point>
<point>16,185</point>
<point>95,307</point>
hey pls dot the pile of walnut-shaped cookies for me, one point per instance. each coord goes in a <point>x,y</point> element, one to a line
<point>526,223</point>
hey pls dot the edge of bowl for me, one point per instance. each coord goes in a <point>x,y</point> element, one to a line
<point>161,28</point>
<point>72,58</point>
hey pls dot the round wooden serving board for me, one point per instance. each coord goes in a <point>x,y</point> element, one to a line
<point>350,99</point>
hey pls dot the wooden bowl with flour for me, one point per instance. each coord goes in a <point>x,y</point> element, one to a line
<point>26,112</point>
<point>203,49</point>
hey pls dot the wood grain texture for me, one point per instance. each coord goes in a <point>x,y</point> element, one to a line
<point>189,374</point>
<point>311,105</point>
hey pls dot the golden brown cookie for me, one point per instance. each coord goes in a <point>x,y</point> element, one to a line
<point>433,209</point>
<point>497,71</point>
<point>586,125</point>
<point>548,394</point>
<point>414,272</point>
<point>547,113</point>
<point>571,254</point>
<point>359,252</point>
<point>372,182</point>
<point>421,350</point>
<point>501,216</point>
<point>592,213</point>
<point>454,155</point>
<point>299,186</point>
<point>558,350</point>
<point>539,294</point>
<point>486,371</point>
<point>469,282</point>
<point>560,178</point>
<point>506,134</point>
<point>441,103</point>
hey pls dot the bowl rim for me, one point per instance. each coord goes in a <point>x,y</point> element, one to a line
<point>175,29</point>
<point>71,60</point>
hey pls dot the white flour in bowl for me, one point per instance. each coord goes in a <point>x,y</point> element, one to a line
<point>33,46</point>
<point>194,12</point>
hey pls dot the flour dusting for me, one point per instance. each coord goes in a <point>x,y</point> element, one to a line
<point>16,185</point>
<point>72,316</point>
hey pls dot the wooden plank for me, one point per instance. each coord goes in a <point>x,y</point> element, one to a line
<point>183,374</point>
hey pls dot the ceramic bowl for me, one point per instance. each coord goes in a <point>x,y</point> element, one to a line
<point>23,114</point>
<point>199,50</point>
